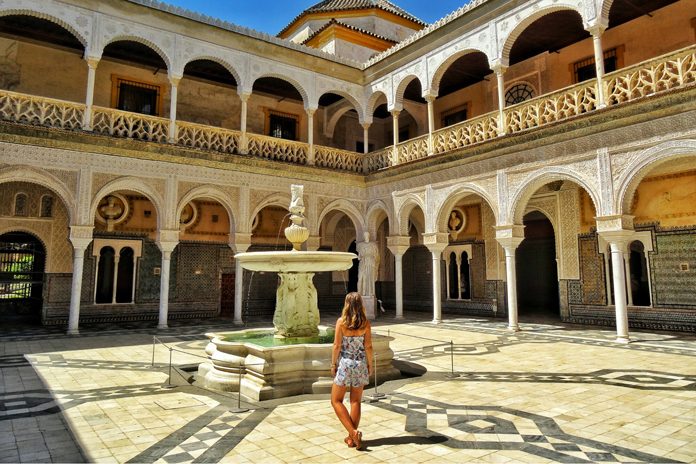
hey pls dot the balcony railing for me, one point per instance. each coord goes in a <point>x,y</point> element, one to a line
<point>132,125</point>
<point>340,160</point>
<point>207,138</point>
<point>40,111</point>
<point>412,149</point>
<point>668,72</point>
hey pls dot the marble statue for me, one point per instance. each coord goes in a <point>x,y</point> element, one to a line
<point>368,254</point>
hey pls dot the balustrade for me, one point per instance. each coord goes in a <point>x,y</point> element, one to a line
<point>379,159</point>
<point>277,149</point>
<point>466,133</point>
<point>207,137</point>
<point>132,125</point>
<point>335,158</point>
<point>667,72</point>
<point>29,109</point>
<point>413,149</point>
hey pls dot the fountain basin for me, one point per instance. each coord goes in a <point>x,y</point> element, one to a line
<point>295,261</point>
<point>268,372</point>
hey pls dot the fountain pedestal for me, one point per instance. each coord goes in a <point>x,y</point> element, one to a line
<point>297,312</point>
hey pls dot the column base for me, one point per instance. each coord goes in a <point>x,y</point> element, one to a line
<point>73,332</point>
<point>399,316</point>
<point>238,322</point>
<point>162,326</point>
<point>620,339</point>
<point>437,321</point>
<point>514,328</point>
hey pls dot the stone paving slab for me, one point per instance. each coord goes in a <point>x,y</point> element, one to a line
<point>551,393</point>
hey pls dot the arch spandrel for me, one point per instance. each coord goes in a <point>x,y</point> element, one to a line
<point>163,44</point>
<point>447,198</point>
<point>273,199</point>
<point>404,206</point>
<point>344,206</point>
<point>214,193</point>
<point>214,58</point>
<point>300,80</point>
<point>443,60</point>
<point>374,211</point>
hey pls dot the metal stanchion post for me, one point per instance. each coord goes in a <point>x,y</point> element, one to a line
<point>451,375</point>
<point>376,396</point>
<point>154,340</point>
<point>239,407</point>
<point>169,377</point>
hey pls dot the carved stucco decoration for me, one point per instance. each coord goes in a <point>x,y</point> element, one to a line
<point>402,78</point>
<point>153,189</point>
<point>440,60</point>
<point>215,193</point>
<point>301,79</point>
<point>259,199</point>
<point>446,197</point>
<point>629,169</point>
<point>351,92</point>
<point>234,61</point>
<point>493,254</point>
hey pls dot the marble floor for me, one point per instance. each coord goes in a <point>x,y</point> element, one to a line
<point>550,393</point>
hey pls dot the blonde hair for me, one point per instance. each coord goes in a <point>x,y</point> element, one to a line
<point>353,315</point>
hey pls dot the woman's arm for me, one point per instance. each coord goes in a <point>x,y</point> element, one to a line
<point>368,348</point>
<point>338,340</point>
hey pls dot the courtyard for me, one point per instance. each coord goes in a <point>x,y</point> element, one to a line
<point>549,393</point>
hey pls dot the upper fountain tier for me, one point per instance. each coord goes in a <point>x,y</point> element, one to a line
<point>295,261</point>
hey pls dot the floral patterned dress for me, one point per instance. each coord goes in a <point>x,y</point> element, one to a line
<point>352,364</point>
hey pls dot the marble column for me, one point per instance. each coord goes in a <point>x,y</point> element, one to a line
<point>310,136</point>
<point>511,276</point>
<point>174,81</point>
<point>437,287</point>
<point>76,288</point>
<point>117,259</point>
<point>243,142</point>
<point>627,273</point>
<point>92,64</point>
<point>499,72</point>
<point>167,248</point>
<point>395,129</point>
<point>599,63</point>
<point>238,286</point>
<point>398,246</point>
<point>431,122</point>
<point>619,280</point>
<point>366,137</point>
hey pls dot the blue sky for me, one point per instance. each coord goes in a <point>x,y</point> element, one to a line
<point>273,15</point>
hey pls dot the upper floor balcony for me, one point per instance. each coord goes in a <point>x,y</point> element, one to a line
<point>125,92</point>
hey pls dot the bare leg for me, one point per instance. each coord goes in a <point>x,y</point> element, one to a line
<point>355,399</point>
<point>337,394</point>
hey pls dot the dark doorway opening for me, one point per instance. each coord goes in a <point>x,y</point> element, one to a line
<point>353,271</point>
<point>638,265</point>
<point>537,274</point>
<point>22,261</point>
<point>227,295</point>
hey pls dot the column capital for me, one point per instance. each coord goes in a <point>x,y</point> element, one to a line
<point>597,28</point>
<point>436,241</point>
<point>366,125</point>
<point>244,96</point>
<point>167,240</point>
<point>395,112</point>
<point>499,67</point>
<point>242,242</point>
<point>310,111</point>
<point>617,222</point>
<point>174,80</point>
<point>93,61</point>
<point>618,238</point>
<point>430,95</point>
<point>81,236</point>
<point>398,244</point>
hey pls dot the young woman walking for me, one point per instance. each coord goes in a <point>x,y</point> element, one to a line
<point>351,365</point>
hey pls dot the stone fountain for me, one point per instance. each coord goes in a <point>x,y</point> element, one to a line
<point>299,360</point>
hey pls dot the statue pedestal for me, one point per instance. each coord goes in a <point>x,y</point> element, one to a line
<point>370,302</point>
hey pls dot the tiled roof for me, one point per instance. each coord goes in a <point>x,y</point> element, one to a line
<point>329,6</point>
<point>347,26</point>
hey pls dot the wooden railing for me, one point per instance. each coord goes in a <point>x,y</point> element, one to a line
<point>207,138</point>
<point>40,111</point>
<point>412,149</point>
<point>335,158</point>
<point>132,125</point>
<point>277,149</point>
<point>660,74</point>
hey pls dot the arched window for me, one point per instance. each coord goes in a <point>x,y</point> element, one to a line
<point>453,277</point>
<point>124,276</point>
<point>21,205</point>
<point>464,276</point>
<point>46,206</point>
<point>105,276</point>
<point>116,270</point>
<point>639,277</point>
<point>458,271</point>
<point>519,93</point>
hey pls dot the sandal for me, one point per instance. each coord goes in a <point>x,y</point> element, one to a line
<point>349,441</point>
<point>357,439</point>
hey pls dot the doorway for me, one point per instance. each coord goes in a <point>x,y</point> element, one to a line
<point>537,274</point>
<point>22,261</point>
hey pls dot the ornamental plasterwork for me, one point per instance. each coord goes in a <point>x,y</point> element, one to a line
<point>75,19</point>
<point>569,222</point>
<point>41,229</point>
<point>401,199</point>
<point>373,209</point>
<point>300,78</point>
<point>352,92</point>
<point>352,209</point>
<point>415,70</point>
<point>606,183</point>
<point>68,178</point>
<point>234,61</point>
<point>491,246</point>
<point>447,54</point>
